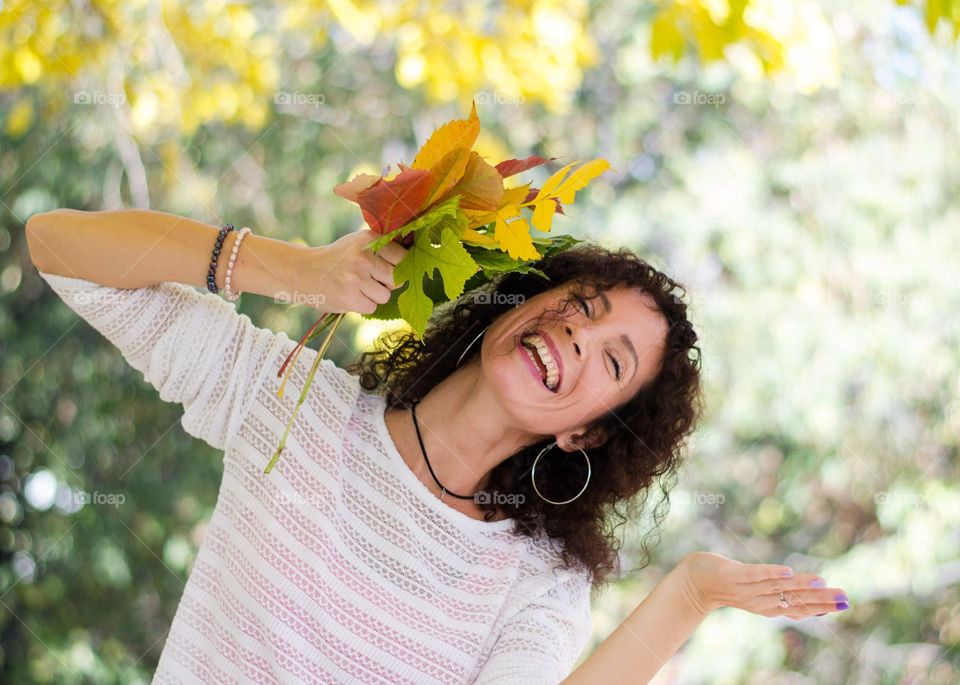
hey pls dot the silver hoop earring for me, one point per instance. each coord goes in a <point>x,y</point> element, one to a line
<point>533,474</point>
<point>471,344</point>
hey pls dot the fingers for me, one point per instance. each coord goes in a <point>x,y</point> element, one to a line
<point>392,253</point>
<point>382,271</point>
<point>751,573</point>
<point>375,291</point>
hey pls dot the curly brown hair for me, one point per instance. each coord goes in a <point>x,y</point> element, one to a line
<point>645,435</point>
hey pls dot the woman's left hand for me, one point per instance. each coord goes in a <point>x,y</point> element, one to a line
<point>713,581</point>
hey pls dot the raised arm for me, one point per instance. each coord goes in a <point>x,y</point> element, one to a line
<point>699,584</point>
<point>133,248</point>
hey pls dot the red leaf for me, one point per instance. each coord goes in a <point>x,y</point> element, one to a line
<point>533,193</point>
<point>388,205</point>
<point>509,167</point>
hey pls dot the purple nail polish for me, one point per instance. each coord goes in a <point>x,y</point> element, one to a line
<point>786,574</point>
<point>842,598</point>
<point>842,605</point>
<point>817,582</point>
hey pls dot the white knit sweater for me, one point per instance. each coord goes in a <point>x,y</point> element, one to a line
<point>339,566</point>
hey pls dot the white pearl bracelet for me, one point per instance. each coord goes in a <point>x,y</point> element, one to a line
<point>233,297</point>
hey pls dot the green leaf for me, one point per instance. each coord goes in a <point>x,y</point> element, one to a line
<point>449,258</point>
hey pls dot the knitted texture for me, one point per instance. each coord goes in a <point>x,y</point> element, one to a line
<point>340,566</point>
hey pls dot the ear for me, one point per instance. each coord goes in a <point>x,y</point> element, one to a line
<point>570,441</point>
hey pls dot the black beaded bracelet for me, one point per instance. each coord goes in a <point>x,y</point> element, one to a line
<point>212,273</point>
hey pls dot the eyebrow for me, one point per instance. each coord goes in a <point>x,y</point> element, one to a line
<point>623,336</point>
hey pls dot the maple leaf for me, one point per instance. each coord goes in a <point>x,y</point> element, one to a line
<point>446,153</point>
<point>388,204</point>
<point>449,258</point>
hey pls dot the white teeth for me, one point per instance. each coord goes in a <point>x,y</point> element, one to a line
<point>553,372</point>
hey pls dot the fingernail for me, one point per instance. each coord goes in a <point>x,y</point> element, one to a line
<point>840,598</point>
<point>817,582</point>
<point>842,605</point>
<point>787,574</point>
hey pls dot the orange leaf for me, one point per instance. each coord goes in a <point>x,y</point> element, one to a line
<point>388,205</point>
<point>511,196</point>
<point>356,185</point>
<point>481,187</point>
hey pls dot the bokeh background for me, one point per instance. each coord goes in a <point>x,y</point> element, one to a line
<point>794,163</point>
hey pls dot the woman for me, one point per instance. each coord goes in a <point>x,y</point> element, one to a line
<point>447,528</point>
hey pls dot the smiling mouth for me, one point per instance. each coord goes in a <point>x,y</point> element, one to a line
<point>538,351</point>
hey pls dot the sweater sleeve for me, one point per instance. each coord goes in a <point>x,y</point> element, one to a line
<point>542,641</point>
<point>195,348</point>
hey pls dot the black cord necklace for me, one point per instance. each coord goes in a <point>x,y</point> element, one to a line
<point>443,489</point>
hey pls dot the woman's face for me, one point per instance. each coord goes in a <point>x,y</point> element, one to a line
<point>598,359</point>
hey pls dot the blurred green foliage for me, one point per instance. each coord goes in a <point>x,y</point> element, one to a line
<point>793,163</point>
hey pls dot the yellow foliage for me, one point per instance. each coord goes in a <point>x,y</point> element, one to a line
<point>19,118</point>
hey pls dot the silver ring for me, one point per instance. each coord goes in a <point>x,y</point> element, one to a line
<point>783,603</point>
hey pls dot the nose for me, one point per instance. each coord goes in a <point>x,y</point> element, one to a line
<point>569,332</point>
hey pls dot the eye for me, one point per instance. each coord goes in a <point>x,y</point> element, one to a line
<point>583,305</point>
<point>616,365</point>
<point>618,373</point>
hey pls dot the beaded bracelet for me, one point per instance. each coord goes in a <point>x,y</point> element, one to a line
<point>233,297</point>
<point>212,273</point>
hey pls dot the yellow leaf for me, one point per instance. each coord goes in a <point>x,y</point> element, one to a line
<point>514,238</point>
<point>446,153</point>
<point>471,236</point>
<point>553,182</point>
<point>543,214</point>
<point>457,134</point>
<point>515,196</point>
<point>580,178</point>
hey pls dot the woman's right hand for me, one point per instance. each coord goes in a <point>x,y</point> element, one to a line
<point>345,277</point>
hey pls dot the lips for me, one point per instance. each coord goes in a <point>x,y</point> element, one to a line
<point>536,368</point>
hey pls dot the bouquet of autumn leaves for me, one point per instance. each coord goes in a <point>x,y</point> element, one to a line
<point>452,212</point>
